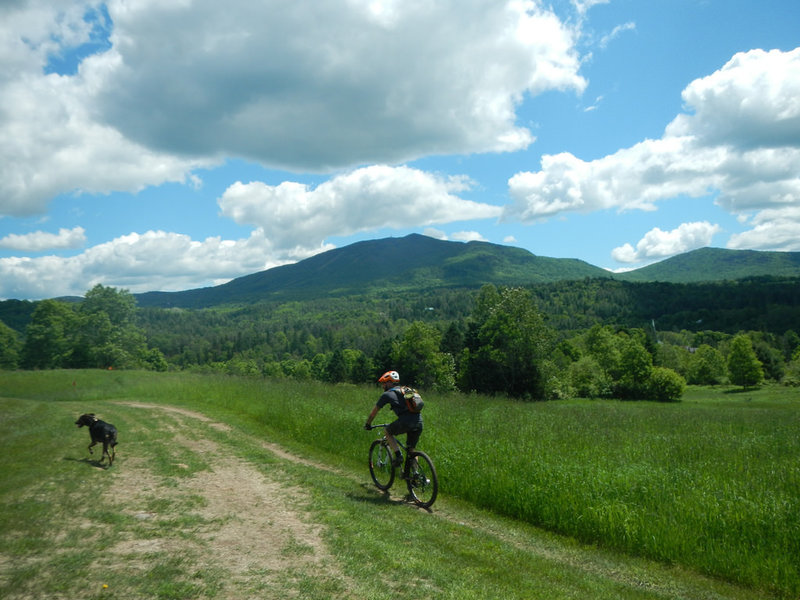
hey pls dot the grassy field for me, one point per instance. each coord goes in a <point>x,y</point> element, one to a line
<point>709,486</point>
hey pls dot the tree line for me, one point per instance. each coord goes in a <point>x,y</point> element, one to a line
<point>497,340</point>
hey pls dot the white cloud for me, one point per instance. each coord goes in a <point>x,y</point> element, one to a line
<point>317,86</point>
<point>660,244</point>
<point>42,240</point>
<point>773,229</point>
<point>437,234</point>
<point>468,236</point>
<point>619,29</point>
<point>50,140</point>
<point>305,85</point>
<point>155,260</point>
<point>751,102</point>
<point>741,140</point>
<point>362,200</point>
<point>583,6</point>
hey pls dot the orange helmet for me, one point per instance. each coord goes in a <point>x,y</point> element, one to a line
<point>389,377</point>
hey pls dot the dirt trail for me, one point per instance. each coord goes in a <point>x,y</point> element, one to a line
<point>255,527</point>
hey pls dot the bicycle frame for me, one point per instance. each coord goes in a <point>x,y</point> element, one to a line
<point>396,438</point>
<point>421,478</point>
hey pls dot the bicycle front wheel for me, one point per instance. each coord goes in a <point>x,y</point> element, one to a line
<point>380,464</point>
<point>423,484</point>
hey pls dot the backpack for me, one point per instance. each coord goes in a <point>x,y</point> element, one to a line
<point>414,402</point>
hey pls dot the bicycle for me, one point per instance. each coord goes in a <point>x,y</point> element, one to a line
<point>422,482</point>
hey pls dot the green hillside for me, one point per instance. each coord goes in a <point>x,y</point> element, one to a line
<point>717,264</point>
<point>414,262</point>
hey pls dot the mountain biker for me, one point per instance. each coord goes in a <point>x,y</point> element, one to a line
<point>407,422</point>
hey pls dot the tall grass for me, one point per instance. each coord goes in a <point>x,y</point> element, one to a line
<point>712,483</point>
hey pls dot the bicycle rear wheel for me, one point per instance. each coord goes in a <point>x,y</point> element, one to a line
<point>423,484</point>
<point>380,464</point>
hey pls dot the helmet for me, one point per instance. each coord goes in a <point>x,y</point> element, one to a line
<point>389,377</point>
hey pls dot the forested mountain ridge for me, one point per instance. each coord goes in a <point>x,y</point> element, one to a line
<point>717,264</point>
<point>414,262</point>
<point>418,262</point>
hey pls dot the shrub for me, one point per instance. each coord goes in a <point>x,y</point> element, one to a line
<point>666,385</point>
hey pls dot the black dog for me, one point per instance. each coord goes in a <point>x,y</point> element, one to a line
<point>100,432</point>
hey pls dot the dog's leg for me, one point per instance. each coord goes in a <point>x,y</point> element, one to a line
<point>90,447</point>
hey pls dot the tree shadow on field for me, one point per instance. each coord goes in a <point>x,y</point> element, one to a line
<point>740,391</point>
<point>89,461</point>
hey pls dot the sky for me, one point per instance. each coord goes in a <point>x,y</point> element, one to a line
<point>175,144</point>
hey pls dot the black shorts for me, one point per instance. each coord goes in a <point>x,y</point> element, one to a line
<point>410,425</point>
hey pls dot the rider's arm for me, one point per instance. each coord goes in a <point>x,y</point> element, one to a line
<point>371,416</point>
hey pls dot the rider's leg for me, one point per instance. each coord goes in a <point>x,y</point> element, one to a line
<point>412,439</point>
<point>410,462</point>
<point>392,430</point>
<point>398,457</point>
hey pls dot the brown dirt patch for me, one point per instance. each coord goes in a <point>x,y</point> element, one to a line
<point>231,517</point>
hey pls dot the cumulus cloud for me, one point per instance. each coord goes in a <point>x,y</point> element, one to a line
<point>365,199</point>
<point>39,241</point>
<point>772,228</point>
<point>155,260</point>
<point>314,86</point>
<point>739,139</point>
<point>50,141</point>
<point>303,86</point>
<point>661,244</point>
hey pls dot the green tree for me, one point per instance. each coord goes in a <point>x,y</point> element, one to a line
<point>119,305</point>
<point>336,369</point>
<point>507,344</point>
<point>744,368</point>
<point>792,375</point>
<point>419,360</point>
<point>9,347</point>
<point>766,347</point>
<point>587,378</point>
<point>362,369</point>
<point>633,372</point>
<point>602,345</point>
<point>706,366</point>
<point>107,334</point>
<point>49,336</point>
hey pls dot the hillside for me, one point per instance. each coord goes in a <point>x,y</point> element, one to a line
<point>414,262</point>
<point>717,264</point>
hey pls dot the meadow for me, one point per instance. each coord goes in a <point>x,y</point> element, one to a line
<point>711,483</point>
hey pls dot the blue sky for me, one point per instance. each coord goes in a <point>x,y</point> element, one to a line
<point>173,145</point>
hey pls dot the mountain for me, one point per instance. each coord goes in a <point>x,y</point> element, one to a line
<point>716,264</point>
<point>392,264</point>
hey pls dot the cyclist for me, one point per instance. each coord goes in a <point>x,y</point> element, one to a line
<point>406,422</point>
